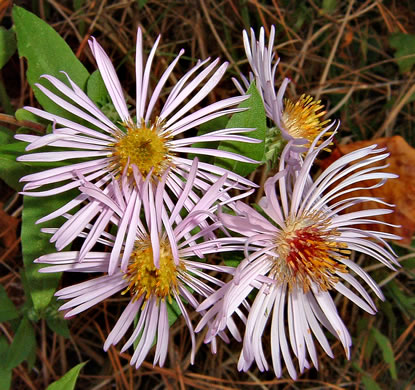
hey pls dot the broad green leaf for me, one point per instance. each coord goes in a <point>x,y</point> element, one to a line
<point>370,383</point>
<point>55,320</point>
<point>31,356</point>
<point>4,347</point>
<point>46,53</point>
<point>404,44</point>
<point>11,170</point>
<point>68,381</point>
<point>22,345</point>
<point>7,309</point>
<point>6,136</point>
<point>7,45</point>
<point>5,373</point>
<point>34,244</point>
<point>59,326</point>
<point>173,312</point>
<point>207,127</point>
<point>96,89</point>
<point>254,117</point>
<point>24,115</point>
<point>5,378</point>
<point>13,149</point>
<point>387,351</point>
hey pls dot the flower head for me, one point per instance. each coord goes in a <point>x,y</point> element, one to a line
<point>150,142</point>
<point>297,252</point>
<point>298,120</point>
<point>153,260</point>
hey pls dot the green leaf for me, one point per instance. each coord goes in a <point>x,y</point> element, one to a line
<point>24,115</point>
<point>173,312</point>
<point>5,373</point>
<point>96,89</point>
<point>370,383</point>
<point>59,326</point>
<point>387,351</point>
<point>404,44</point>
<point>5,378</point>
<point>11,170</point>
<point>7,45</point>
<point>22,345</point>
<point>34,244</point>
<point>55,320</point>
<point>7,308</point>
<point>68,381</point>
<point>46,53</point>
<point>252,118</point>
<point>13,149</point>
<point>4,348</point>
<point>232,263</point>
<point>6,135</point>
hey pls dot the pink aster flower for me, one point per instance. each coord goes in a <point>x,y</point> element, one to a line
<point>298,253</point>
<point>153,259</point>
<point>150,142</point>
<point>298,121</point>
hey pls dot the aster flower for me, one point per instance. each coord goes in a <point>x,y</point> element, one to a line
<point>150,142</point>
<point>298,253</point>
<point>299,121</point>
<point>155,261</point>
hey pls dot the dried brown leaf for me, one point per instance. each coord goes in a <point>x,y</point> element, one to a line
<point>400,192</point>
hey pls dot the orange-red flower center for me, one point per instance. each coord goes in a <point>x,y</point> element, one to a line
<point>309,252</point>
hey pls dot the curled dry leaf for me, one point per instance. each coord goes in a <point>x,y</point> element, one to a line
<point>400,192</point>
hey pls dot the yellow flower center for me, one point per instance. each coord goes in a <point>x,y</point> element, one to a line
<point>144,147</point>
<point>308,253</point>
<point>302,118</point>
<point>145,278</point>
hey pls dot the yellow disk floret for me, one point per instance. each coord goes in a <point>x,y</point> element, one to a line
<point>302,119</point>
<point>144,147</point>
<point>308,253</point>
<point>145,278</point>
